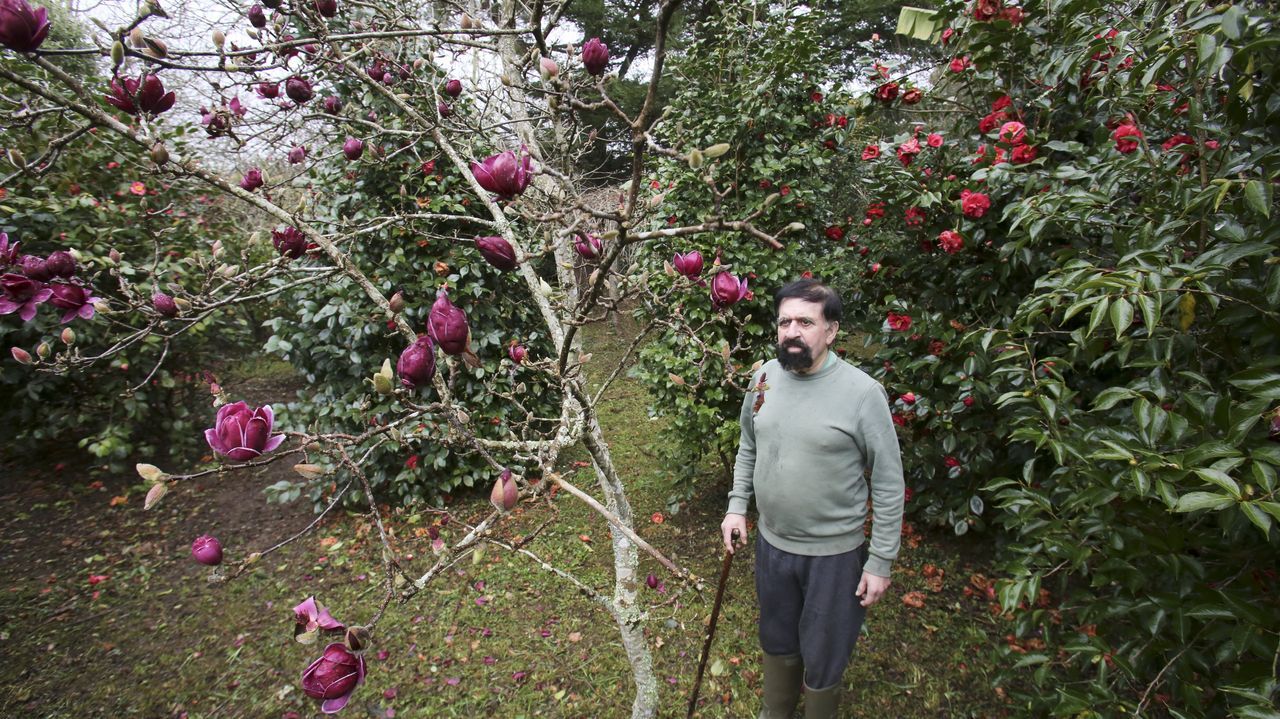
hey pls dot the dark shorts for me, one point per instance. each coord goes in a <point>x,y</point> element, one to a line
<point>808,607</point>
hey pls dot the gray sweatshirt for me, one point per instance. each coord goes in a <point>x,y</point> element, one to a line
<point>810,446</point>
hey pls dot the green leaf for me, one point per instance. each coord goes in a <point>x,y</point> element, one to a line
<point>1257,516</point>
<point>1259,382</point>
<point>1219,479</point>
<point>1258,196</point>
<point>1121,315</point>
<point>1195,501</point>
<point>1233,22</point>
<point>1110,396</point>
<point>918,23</point>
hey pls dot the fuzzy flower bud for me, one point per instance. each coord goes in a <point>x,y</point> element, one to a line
<point>164,304</point>
<point>505,493</point>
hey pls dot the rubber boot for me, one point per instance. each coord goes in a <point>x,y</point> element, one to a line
<point>821,703</point>
<point>783,676</point>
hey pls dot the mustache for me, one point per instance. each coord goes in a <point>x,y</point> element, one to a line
<point>794,343</point>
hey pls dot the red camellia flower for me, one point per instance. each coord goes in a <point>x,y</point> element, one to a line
<point>887,92</point>
<point>991,121</point>
<point>870,152</point>
<point>951,462</point>
<point>1022,154</point>
<point>1013,15</point>
<point>934,140</point>
<point>897,322</point>
<point>912,96</point>
<point>984,10</point>
<point>914,217</point>
<point>936,347</point>
<point>950,241</point>
<point>1179,139</point>
<point>960,64</point>
<point>974,204</point>
<point>1001,103</point>
<point>834,233</point>
<point>874,211</point>
<point>1013,133</point>
<point>816,97</point>
<point>1126,137</point>
<point>947,35</point>
<point>334,677</point>
<point>907,151</point>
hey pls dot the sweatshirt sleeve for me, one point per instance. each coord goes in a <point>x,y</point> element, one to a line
<point>884,460</point>
<point>744,466</point>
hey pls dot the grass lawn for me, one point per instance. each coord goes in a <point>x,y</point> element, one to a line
<point>103,614</point>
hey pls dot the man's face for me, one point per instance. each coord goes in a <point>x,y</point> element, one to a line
<point>803,334</point>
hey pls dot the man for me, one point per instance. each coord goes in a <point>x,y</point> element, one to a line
<point>817,439</point>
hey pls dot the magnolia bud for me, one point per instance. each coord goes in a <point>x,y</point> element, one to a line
<point>156,48</point>
<point>548,68</point>
<point>159,154</point>
<point>137,38</point>
<point>716,150</point>
<point>382,385</point>
<point>310,471</point>
<point>17,158</point>
<point>43,349</point>
<point>117,52</point>
<point>150,472</point>
<point>155,494</point>
<point>397,302</point>
<point>505,493</point>
<point>358,638</point>
<point>795,227</point>
<point>183,305</point>
<point>695,159</point>
<point>114,255</point>
<point>68,336</point>
<point>228,271</point>
<point>21,355</point>
<point>219,39</point>
<point>467,23</point>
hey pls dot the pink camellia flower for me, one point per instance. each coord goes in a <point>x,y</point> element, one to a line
<point>1022,154</point>
<point>909,397</point>
<point>21,28</point>
<point>897,322</point>
<point>353,148</point>
<point>517,352</point>
<point>912,96</point>
<point>974,204</point>
<point>453,88</point>
<point>257,16</point>
<point>497,252</point>
<point>947,35</point>
<point>332,104</point>
<point>60,263</point>
<point>835,233</point>
<point>447,325</point>
<point>960,64</point>
<point>334,677</point>
<point>505,493</point>
<point>417,363</point>
<point>289,242</point>
<point>268,90</point>
<point>588,246</point>
<point>144,94</point>
<point>908,150</point>
<point>310,618</point>
<point>207,550</point>
<point>950,241</point>
<point>327,8</point>
<point>870,152</point>
<point>298,89</point>
<point>241,432</point>
<point>76,301</point>
<point>934,140</point>
<point>1013,133</point>
<point>297,154</point>
<point>887,92</point>
<point>727,290</point>
<point>22,295</point>
<point>505,174</point>
<point>1013,15</point>
<point>252,179</point>
<point>164,304</point>
<point>595,56</point>
<point>914,217</point>
<point>689,264</point>
<point>1126,137</point>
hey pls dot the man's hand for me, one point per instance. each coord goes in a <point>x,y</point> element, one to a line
<point>871,588</point>
<point>730,523</point>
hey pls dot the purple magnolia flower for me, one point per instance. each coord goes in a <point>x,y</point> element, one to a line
<point>145,94</point>
<point>164,304</point>
<point>353,148</point>
<point>60,263</point>
<point>298,89</point>
<point>22,295</point>
<point>241,432</point>
<point>506,174</point>
<point>517,352</point>
<point>21,28</point>
<point>8,252</point>
<point>268,90</point>
<point>310,618</point>
<point>297,154</point>
<point>444,110</point>
<point>207,550</point>
<point>236,108</point>
<point>216,121</point>
<point>252,179</point>
<point>77,301</point>
<point>498,252</point>
<point>588,246</point>
<point>417,364</point>
<point>595,56</point>
<point>727,290</point>
<point>257,16</point>
<point>289,242</point>
<point>688,264</point>
<point>447,325</point>
<point>327,8</point>
<point>505,493</point>
<point>333,104</point>
<point>334,677</point>
<point>35,268</point>
<point>453,88</point>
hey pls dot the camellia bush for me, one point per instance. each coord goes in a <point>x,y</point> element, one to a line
<point>1077,307</point>
<point>431,252</point>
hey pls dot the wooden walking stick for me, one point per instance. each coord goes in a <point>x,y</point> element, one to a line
<point>711,629</point>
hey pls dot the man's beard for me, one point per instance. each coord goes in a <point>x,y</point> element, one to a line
<point>792,361</point>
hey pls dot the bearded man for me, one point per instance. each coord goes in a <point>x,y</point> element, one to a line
<point>817,441</point>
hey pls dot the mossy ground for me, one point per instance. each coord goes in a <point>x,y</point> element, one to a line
<point>103,614</point>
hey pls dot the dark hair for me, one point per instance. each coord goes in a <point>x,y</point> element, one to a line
<point>812,291</point>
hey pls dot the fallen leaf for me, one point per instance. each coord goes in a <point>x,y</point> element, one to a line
<point>119,500</point>
<point>585,537</point>
<point>575,636</point>
<point>914,600</point>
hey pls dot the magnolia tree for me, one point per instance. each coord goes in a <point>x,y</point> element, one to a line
<point>328,95</point>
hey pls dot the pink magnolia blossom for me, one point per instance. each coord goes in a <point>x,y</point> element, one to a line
<point>333,677</point>
<point>241,432</point>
